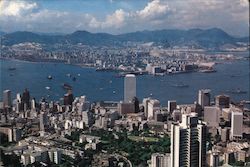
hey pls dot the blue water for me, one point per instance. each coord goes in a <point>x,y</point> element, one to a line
<point>99,86</point>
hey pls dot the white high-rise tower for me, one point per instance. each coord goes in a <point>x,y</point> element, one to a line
<point>188,142</point>
<point>129,88</point>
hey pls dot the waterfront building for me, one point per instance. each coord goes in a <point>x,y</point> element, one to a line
<point>204,97</point>
<point>222,101</point>
<point>7,98</point>
<point>171,105</point>
<point>129,88</point>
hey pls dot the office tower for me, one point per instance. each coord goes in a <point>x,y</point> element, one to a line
<point>87,118</point>
<point>160,160</point>
<point>17,134</point>
<point>145,106</point>
<point>7,98</point>
<point>42,121</point>
<point>136,103</point>
<point>171,105</point>
<point>236,124</point>
<point>153,106</point>
<point>204,97</point>
<point>126,108</point>
<point>188,142</point>
<point>33,104</point>
<point>225,134</point>
<point>212,116</point>
<point>26,98</point>
<point>222,101</point>
<point>129,88</point>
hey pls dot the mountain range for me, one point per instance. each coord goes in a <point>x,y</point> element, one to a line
<point>199,38</point>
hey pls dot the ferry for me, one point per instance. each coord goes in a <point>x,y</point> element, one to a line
<point>67,86</point>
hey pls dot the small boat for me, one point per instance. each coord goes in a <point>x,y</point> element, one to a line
<point>49,77</point>
<point>237,91</point>
<point>68,75</point>
<point>114,92</point>
<point>47,87</point>
<point>110,81</point>
<point>11,68</point>
<point>180,85</point>
<point>67,86</point>
<point>78,75</point>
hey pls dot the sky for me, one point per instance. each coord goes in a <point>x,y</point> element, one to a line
<point>121,16</point>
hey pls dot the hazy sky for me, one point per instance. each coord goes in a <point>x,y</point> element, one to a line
<point>119,16</point>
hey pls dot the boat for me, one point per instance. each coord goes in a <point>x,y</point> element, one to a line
<point>47,87</point>
<point>237,91</point>
<point>208,71</point>
<point>11,68</point>
<point>67,86</point>
<point>49,77</point>
<point>68,75</point>
<point>180,85</point>
<point>79,75</point>
<point>114,92</point>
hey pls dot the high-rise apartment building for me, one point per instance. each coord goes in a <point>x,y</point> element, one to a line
<point>188,142</point>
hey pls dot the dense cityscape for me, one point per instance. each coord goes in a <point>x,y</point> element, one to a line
<point>118,83</point>
<point>124,133</point>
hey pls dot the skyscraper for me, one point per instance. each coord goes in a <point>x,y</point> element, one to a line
<point>160,160</point>
<point>26,98</point>
<point>171,105</point>
<point>129,88</point>
<point>222,101</point>
<point>7,98</point>
<point>236,124</point>
<point>204,97</point>
<point>188,142</point>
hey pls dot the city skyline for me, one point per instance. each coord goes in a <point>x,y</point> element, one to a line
<point>124,83</point>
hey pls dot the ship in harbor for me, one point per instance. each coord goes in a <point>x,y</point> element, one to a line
<point>66,86</point>
<point>180,85</point>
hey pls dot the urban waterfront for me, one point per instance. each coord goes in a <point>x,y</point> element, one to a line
<point>230,76</point>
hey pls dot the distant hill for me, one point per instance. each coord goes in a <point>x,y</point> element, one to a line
<point>210,38</point>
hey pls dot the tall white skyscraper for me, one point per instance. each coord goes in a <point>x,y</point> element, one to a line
<point>7,98</point>
<point>188,142</point>
<point>236,124</point>
<point>129,88</point>
<point>204,97</point>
